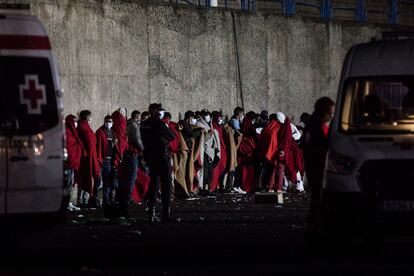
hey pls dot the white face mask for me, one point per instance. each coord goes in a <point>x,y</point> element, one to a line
<point>241,118</point>
<point>194,121</point>
<point>207,118</point>
<point>108,125</point>
<point>253,121</point>
<point>76,124</point>
<point>89,120</point>
<point>220,121</point>
<point>162,112</point>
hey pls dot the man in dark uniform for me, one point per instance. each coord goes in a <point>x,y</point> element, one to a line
<point>156,137</point>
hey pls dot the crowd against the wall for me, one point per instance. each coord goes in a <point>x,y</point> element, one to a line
<point>147,156</point>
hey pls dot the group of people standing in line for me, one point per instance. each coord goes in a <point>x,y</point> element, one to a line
<point>149,156</point>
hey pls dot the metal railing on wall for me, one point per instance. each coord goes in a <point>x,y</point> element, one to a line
<point>392,10</point>
<point>247,5</point>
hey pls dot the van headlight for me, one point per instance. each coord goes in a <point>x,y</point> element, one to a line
<point>339,163</point>
<point>38,144</point>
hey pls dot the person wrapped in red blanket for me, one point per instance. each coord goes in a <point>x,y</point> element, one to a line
<point>247,157</point>
<point>268,153</point>
<point>220,164</point>
<point>75,151</point>
<point>89,171</point>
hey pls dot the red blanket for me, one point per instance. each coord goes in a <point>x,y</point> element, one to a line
<point>221,166</point>
<point>175,144</point>
<point>294,162</point>
<point>74,145</point>
<point>89,166</point>
<point>119,131</point>
<point>102,145</point>
<point>286,145</point>
<point>268,143</point>
<point>285,137</point>
<point>247,158</point>
<point>142,183</point>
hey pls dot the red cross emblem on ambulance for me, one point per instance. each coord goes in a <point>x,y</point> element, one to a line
<point>32,94</point>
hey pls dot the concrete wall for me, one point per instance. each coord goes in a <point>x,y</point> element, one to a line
<point>129,53</point>
<point>289,63</point>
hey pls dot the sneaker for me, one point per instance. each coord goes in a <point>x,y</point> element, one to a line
<point>299,187</point>
<point>271,191</point>
<point>239,190</point>
<point>72,207</point>
<point>279,197</point>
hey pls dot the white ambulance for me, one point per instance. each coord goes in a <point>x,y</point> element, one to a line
<point>32,148</point>
<point>369,176</point>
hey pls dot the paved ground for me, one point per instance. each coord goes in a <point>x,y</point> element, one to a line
<point>228,234</point>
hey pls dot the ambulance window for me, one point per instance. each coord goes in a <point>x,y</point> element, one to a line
<point>28,94</point>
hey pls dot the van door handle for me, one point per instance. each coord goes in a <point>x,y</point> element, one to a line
<point>18,158</point>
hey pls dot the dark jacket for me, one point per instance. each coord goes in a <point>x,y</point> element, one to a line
<point>156,137</point>
<point>135,144</point>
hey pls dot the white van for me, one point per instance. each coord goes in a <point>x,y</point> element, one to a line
<point>369,175</point>
<point>31,123</point>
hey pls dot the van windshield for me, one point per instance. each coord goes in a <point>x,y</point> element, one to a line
<point>27,96</point>
<point>378,105</point>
